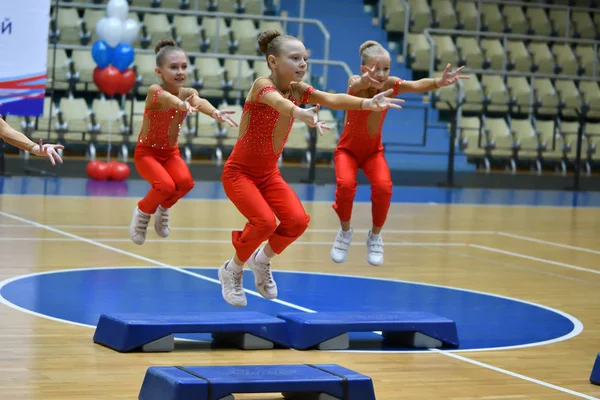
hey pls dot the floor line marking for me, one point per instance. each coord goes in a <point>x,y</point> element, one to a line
<point>543,260</point>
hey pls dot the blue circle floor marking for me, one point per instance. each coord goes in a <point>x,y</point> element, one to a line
<point>485,321</point>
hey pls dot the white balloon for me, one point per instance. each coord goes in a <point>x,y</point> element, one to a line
<point>117,9</point>
<point>131,28</point>
<point>113,31</point>
<point>101,27</point>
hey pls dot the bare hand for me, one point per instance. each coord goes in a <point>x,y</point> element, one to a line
<point>381,101</point>
<point>49,150</point>
<point>449,78</point>
<point>223,116</point>
<point>367,78</point>
<point>311,117</point>
<point>185,106</point>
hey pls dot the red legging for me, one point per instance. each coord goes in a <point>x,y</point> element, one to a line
<point>260,200</point>
<point>378,173</point>
<point>168,174</point>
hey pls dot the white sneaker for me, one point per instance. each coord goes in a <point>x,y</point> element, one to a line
<point>139,226</point>
<point>231,286</point>
<point>374,250</point>
<point>263,278</point>
<point>339,251</point>
<point>161,222</point>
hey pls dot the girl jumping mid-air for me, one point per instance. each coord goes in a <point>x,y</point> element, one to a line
<point>251,177</point>
<point>360,146</point>
<point>157,158</point>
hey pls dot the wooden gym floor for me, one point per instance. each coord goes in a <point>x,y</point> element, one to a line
<point>543,255</point>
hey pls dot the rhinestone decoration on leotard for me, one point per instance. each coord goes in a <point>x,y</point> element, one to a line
<point>161,128</point>
<point>266,130</point>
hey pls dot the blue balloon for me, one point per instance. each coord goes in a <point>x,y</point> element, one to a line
<point>122,56</point>
<point>102,54</point>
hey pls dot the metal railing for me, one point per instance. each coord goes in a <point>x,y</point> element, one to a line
<point>218,15</point>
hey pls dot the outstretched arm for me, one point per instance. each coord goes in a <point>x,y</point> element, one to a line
<point>205,107</point>
<point>341,101</point>
<point>21,141</point>
<point>428,84</point>
<point>420,86</point>
<point>285,107</point>
<point>15,137</point>
<point>163,98</point>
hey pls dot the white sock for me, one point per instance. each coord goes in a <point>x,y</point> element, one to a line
<point>373,235</point>
<point>347,234</point>
<point>262,258</point>
<point>140,212</point>
<point>162,209</point>
<point>233,266</point>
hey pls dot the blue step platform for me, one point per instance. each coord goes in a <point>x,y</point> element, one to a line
<point>154,332</point>
<point>595,376</point>
<point>293,381</point>
<point>328,330</point>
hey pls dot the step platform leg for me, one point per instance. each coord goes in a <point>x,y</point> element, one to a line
<point>164,344</point>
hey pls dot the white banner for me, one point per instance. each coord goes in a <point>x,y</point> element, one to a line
<point>24,27</point>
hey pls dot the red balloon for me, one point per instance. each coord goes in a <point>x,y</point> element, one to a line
<point>119,171</point>
<point>102,171</point>
<point>96,77</point>
<point>91,168</point>
<point>127,81</point>
<point>107,79</point>
<point>97,170</point>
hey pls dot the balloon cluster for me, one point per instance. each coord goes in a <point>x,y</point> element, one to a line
<point>113,170</point>
<point>112,52</point>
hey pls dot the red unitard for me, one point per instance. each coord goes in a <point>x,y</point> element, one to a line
<point>360,146</point>
<point>157,158</point>
<point>251,177</point>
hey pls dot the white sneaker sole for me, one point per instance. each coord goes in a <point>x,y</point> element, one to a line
<point>338,261</point>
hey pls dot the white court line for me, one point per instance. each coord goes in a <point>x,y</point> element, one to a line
<point>221,229</point>
<point>151,261</point>
<point>564,246</point>
<point>216,241</point>
<point>514,374</point>
<point>543,260</point>
<point>34,239</point>
<point>391,231</point>
<point>518,266</point>
<point>428,204</point>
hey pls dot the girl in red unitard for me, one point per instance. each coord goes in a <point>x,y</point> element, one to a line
<point>251,178</point>
<point>157,158</point>
<point>360,146</point>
